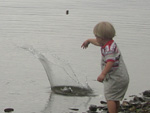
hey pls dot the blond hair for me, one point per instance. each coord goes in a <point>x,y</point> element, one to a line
<point>104,30</point>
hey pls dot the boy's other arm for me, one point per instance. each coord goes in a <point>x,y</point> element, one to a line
<point>88,41</point>
<point>105,71</point>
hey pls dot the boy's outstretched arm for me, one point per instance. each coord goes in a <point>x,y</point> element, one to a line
<point>88,41</point>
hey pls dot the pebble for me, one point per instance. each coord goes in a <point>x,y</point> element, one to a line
<point>67,12</point>
<point>8,110</point>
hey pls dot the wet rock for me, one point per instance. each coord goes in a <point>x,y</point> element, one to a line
<point>7,110</point>
<point>67,12</point>
<point>138,99</point>
<point>132,95</point>
<point>101,107</point>
<point>135,105</point>
<point>91,111</point>
<point>74,109</point>
<point>103,102</point>
<point>105,108</point>
<point>146,93</point>
<point>125,104</point>
<point>132,109</point>
<point>93,108</point>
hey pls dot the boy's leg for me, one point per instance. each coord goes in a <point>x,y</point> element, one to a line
<point>112,106</point>
<point>118,105</point>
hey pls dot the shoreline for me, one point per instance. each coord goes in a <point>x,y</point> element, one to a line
<point>138,104</point>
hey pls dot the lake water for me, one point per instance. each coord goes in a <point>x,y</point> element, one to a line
<point>44,26</point>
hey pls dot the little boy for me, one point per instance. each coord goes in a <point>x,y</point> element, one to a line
<point>114,74</point>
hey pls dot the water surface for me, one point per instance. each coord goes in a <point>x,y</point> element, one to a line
<point>44,25</point>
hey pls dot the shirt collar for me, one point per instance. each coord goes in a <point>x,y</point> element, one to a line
<point>108,43</point>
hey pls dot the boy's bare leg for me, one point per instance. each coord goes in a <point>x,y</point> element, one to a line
<point>118,105</point>
<point>112,106</point>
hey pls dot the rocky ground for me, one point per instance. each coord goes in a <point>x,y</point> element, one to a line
<point>138,104</point>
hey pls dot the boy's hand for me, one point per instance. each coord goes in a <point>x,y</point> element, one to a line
<point>85,44</point>
<point>101,77</point>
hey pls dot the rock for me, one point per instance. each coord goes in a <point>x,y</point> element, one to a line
<point>138,99</point>
<point>125,104</point>
<point>8,110</point>
<point>93,108</point>
<point>135,105</point>
<point>132,109</point>
<point>105,108</point>
<point>101,107</point>
<point>91,112</point>
<point>67,12</point>
<point>74,109</point>
<point>103,102</point>
<point>146,93</point>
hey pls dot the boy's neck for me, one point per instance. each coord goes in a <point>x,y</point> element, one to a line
<point>105,42</point>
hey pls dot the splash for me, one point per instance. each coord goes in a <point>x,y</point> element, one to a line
<point>62,78</point>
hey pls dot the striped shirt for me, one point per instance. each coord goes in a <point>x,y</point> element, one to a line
<point>110,52</point>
